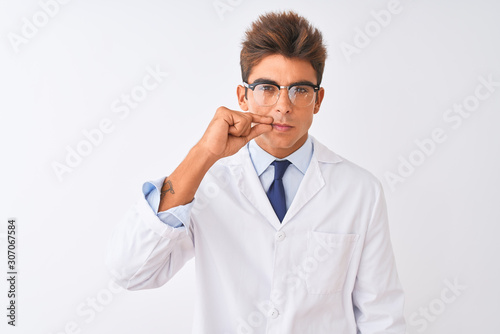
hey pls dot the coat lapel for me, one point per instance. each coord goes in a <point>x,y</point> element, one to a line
<point>250,186</point>
<point>313,180</point>
<point>310,185</point>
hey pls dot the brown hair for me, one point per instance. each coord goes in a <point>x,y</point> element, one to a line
<point>287,34</point>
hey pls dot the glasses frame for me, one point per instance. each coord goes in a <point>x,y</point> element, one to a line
<point>255,84</point>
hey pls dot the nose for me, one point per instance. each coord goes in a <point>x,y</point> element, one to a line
<point>284,105</point>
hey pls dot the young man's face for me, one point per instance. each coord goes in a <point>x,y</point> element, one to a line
<point>291,123</point>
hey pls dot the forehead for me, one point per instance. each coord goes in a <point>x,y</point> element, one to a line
<point>283,70</point>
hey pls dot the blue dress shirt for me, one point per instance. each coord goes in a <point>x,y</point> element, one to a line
<point>261,161</point>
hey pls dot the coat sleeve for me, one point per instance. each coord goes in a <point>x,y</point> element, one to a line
<point>144,252</point>
<point>378,296</point>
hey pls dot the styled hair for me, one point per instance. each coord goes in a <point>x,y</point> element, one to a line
<point>286,34</point>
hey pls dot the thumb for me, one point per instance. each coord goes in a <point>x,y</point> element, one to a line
<point>259,129</point>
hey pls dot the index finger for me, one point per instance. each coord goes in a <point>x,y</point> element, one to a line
<point>260,118</point>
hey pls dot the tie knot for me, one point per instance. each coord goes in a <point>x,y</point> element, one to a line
<point>280,167</point>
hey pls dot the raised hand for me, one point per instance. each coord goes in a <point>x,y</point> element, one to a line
<point>230,130</point>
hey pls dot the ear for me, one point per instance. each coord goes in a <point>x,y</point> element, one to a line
<point>242,100</point>
<point>319,99</point>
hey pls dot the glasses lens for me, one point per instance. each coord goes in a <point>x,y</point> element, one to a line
<point>301,96</point>
<point>265,94</point>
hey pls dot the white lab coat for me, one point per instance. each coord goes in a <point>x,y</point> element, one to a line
<point>327,268</point>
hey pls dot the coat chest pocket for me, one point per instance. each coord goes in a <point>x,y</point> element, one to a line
<point>331,253</point>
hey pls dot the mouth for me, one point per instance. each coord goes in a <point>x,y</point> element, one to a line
<point>281,127</point>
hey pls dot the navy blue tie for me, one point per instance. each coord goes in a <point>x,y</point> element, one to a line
<point>276,192</point>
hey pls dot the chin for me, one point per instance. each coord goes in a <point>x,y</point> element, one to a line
<point>279,141</point>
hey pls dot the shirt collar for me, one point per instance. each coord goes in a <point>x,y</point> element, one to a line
<point>300,158</point>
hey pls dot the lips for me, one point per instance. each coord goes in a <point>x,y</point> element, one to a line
<point>281,127</point>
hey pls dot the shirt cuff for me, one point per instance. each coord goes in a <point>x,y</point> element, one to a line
<point>177,216</point>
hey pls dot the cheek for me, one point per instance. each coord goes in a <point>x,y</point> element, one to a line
<point>259,110</point>
<point>307,118</point>
<point>252,107</point>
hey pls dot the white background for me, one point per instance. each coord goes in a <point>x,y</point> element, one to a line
<point>444,217</point>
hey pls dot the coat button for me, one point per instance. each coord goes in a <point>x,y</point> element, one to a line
<point>273,313</point>
<point>280,236</point>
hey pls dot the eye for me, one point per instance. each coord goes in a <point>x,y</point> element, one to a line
<point>266,88</point>
<point>302,89</point>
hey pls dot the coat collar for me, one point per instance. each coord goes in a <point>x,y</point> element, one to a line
<point>323,153</point>
<point>249,184</point>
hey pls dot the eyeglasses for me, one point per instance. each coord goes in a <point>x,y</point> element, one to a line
<point>267,94</point>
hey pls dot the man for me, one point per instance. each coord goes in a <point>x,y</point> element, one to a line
<point>288,236</point>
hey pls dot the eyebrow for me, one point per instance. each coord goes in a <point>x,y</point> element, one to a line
<point>269,81</point>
